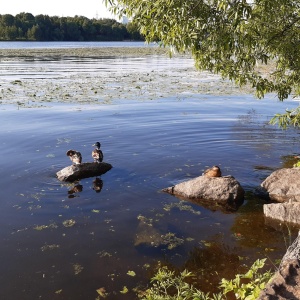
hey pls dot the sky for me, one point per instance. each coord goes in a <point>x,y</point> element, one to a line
<point>62,8</point>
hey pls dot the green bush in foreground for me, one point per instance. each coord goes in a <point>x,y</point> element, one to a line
<point>167,286</point>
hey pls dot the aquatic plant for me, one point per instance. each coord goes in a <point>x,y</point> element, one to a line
<point>166,285</point>
<point>297,164</point>
<point>248,286</point>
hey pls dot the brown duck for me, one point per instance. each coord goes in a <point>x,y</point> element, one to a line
<point>97,153</point>
<point>213,172</point>
<point>75,156</point>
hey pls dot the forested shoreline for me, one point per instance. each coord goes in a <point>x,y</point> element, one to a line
<point>26,27</point>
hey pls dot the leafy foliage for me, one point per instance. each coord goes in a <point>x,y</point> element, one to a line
<point>289,118</point>
<point>228,37</point>
<point>167,286</point>
<point>297,164</point>
<point>248,285</point>
<point>238,39</point>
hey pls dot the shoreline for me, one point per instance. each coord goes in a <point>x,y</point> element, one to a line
<point>6,54</point>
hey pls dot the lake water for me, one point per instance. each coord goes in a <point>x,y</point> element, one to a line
<point>57,45</point>
<point>65,241</point>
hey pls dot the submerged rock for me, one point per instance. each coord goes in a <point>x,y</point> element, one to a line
<point>84,170</point>
<point>212,191</point>
<point>147,234</point>
<point>283,185</point>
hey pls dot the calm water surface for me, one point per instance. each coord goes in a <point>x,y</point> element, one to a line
<point>45,45</point>
<point>65,241</point>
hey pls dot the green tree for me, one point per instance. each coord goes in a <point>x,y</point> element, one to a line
<point>72,32</point>
<point>7,20</point>
<point>88,30</point>
<point>133,32</point>
<point>11,33</point>
<point>56,33</point>
<point>34,33</point>
<point>233,38</point>
<point>24,21</point>
<point>45,27</point>
<point>25,26</point>
<point>119,32</point>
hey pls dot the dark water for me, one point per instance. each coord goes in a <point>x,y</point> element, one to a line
<point>151,145</point>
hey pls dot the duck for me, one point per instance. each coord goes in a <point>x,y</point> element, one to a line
<point>213,172</point>
<point>75,156</point>
<point>97,153</point>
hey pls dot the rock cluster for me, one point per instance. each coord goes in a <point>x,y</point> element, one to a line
<point>283,187</point>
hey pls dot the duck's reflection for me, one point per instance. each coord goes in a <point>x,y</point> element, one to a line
<point>97,185</point>
<point>77,187</point>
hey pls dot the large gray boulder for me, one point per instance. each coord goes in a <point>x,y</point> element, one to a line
<point>84,170</point>
<point>283,185</point>
<point>214,192</point>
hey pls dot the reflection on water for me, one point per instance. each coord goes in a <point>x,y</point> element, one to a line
<point>75,189</point>
<point>68,240</point>
<point>97,185</point>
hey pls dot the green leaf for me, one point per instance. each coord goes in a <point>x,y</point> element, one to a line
<point>124,290</point>
<point>131,273</point>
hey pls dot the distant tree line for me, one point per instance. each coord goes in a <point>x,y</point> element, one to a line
<point>25,26</point>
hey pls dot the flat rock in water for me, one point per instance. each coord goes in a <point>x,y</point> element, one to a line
<point>212,191</point>
<point>84,170</point>
<point>286,212</point>
<point>283,185</point>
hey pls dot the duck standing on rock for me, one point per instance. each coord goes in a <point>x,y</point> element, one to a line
<point>75,156</point>
<point>97,153</point>
<point>213,172</point>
